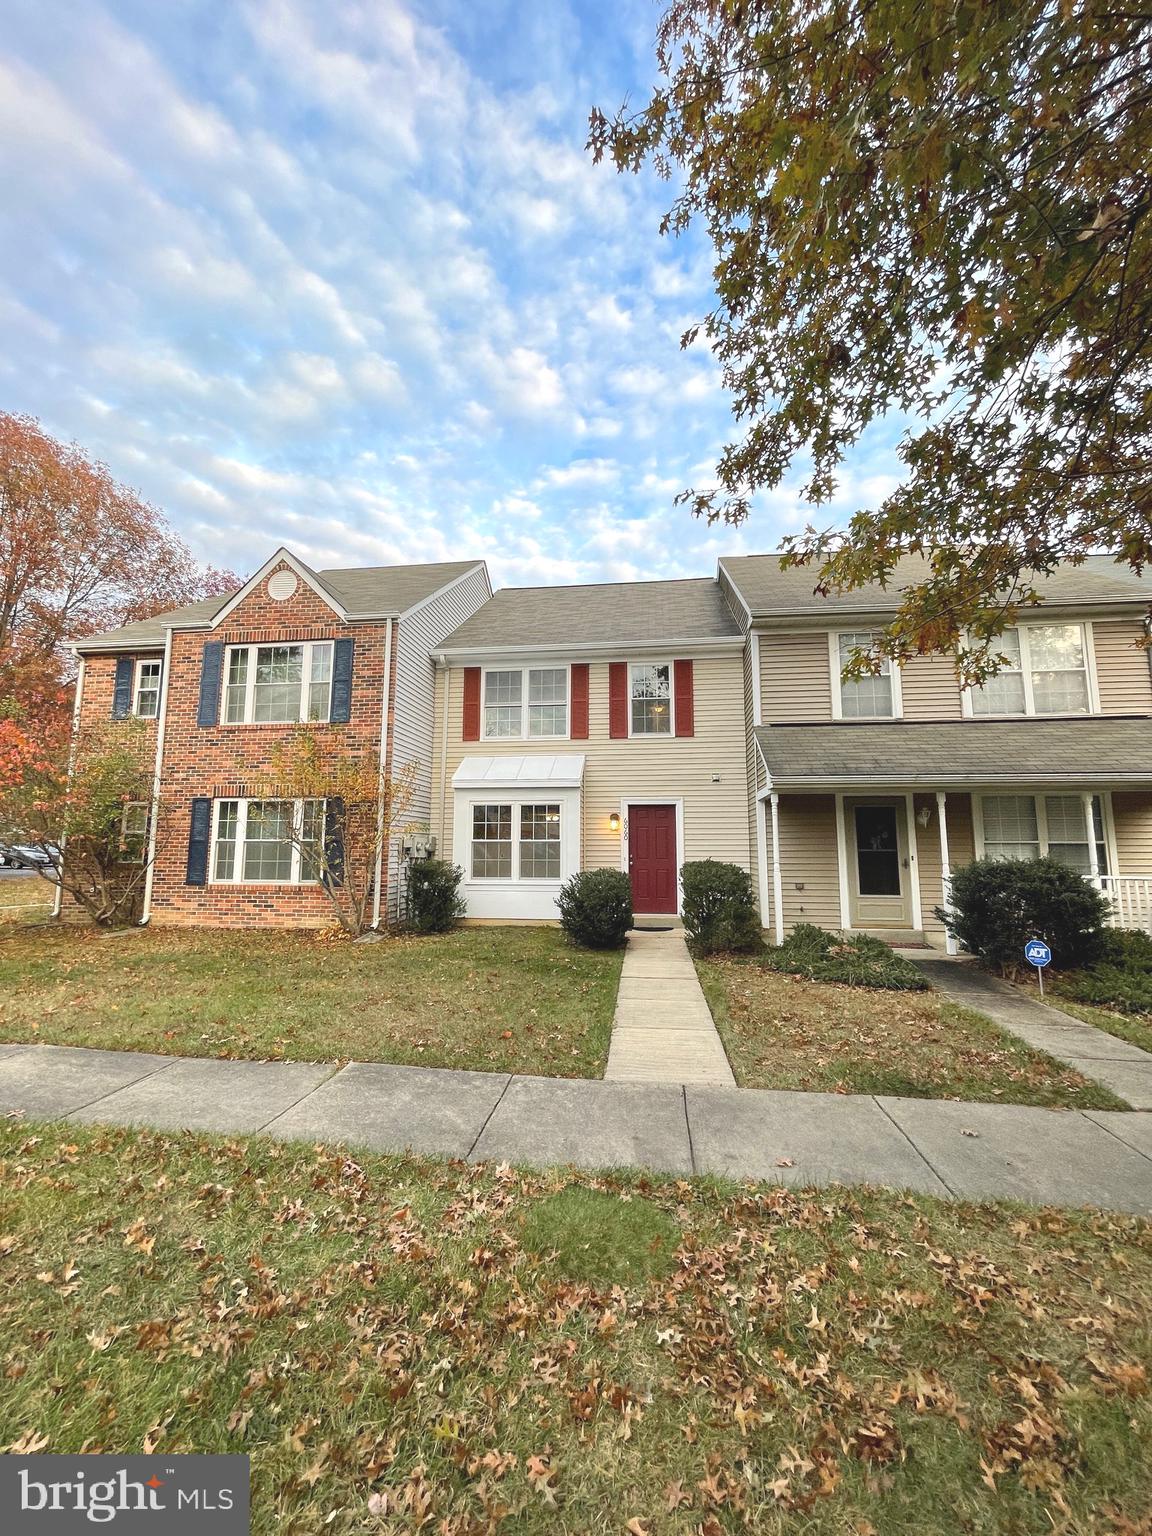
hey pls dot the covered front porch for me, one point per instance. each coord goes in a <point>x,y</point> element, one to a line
<point>860,825</point>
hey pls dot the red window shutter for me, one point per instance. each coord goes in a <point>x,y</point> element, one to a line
<point>578,706</point>
<point>471,703</point>
<point>617,699</point>
<point>685,719</point>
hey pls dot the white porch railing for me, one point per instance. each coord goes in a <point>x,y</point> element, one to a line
<point>1131,898</point>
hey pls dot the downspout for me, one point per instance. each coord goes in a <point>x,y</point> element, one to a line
<point>154,812</point>
<point>383,774</point>
<point>447,670</point>
<point>58,896</point>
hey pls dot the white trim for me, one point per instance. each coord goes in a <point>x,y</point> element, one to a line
<point>757,701</point>
<point>612,650</point>
<point>837,681</point>
<point>761,863</point>
<point>157,770</point>
<point>380,861</point>
<point>517,896</point>
<point>673,800</point>
<point>58,894</point>
<point>140,663</point>
<point>1030,712</point>
<point>913,862</point>
<point>670,733</point>
<point>1088,801</point>
<point>842,867</point>
<point>242,802</point>
<point>740,598</point>
<point>777,877</point>
<point>950,944</point>
<point>525,703</point>
<point>253,648</point>
<point>481,565</point>
<point>281,557</point>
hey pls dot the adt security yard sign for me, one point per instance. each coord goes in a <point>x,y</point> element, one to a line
<point>1037,953</point>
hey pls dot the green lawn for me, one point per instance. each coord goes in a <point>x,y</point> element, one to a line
<point>407,1346</point>
<point>492,999</point>
<point>782,1032</point>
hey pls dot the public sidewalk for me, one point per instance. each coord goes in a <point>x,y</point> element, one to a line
<point>1053,1157</point>
<point>1094,1053</point>
<point>662,1031</point>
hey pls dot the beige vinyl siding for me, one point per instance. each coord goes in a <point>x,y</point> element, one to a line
<point>929,688</point>
<point>1122,673</point>
<point>660,768</point>
<point>795,676</point>
<point>808,857</point>
<point>1132,817</point>
<point>961,850</point>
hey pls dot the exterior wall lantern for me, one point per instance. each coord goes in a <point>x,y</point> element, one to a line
<point>614,821</point>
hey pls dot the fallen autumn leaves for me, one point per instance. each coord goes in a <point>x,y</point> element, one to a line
<point>395,1350</point>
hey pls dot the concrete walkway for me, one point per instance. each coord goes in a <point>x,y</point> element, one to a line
<point>662,1031</point>
<point>1124,1068</point>
<point>1052,1157</point>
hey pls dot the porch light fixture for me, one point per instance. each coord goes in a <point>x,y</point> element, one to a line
<point>614,820</point>
<point>924,815</point>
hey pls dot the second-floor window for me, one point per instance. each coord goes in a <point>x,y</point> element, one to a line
<point>270,684</point>
<point>526,701</point>
<point>650,699</point>
<point>147,702</point>
<point>1045,673</point>
<point>875,696</point>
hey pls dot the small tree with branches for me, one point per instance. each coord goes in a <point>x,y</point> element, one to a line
<point>349,813</point>
<point>93,821</point>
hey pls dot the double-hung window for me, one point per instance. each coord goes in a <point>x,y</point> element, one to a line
<point>524,702</point>
<point>1045,672</point>
<point>278,684</point>
<point>650,699</point>
<point>267,841</point>
<point>147,704</point>
<point>1044,826</point>
<point>134,832</point>
<point>876,695</point>
<point>516,841</point>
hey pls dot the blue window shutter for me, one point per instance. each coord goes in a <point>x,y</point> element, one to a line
<point>198,838</point>
<point>122,693</point>
<point>334,839</point>
<point>211,669</point>
<point>340,711</point>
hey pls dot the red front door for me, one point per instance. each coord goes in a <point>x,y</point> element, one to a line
<point>652,857</point>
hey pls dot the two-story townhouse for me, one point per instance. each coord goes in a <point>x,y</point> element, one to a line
<point>221,683</point>
<point>863,796</point>
<point>588,726</point>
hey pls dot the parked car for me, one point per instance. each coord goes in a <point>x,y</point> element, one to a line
<point>29,855</point>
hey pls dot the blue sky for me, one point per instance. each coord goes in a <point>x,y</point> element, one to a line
<point>340,274</point>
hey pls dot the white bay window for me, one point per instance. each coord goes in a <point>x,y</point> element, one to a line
<point>516,841</point>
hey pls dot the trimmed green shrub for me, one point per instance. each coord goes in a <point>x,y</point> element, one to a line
<point>596,908</point>
<point>853,960</point>
<point>1129,948</point>
<point>1110,986</point>
<point>434,901</point>
<point>719,908</point>
<point>999,904</point>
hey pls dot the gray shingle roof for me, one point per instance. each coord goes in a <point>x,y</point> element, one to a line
<point>373,589</point>
<point>772,593</point>
<point>1092,750</point>
<point>615,613</point>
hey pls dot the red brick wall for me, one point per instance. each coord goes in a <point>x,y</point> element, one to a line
<point>222,761</point>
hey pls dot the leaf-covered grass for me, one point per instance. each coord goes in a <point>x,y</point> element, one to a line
<point>24,898</point>
<point>491,999</point>
<point>394,1353</point>
<point>783,1032</point>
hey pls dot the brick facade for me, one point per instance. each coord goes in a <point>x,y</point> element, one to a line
<point>224,761</point>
